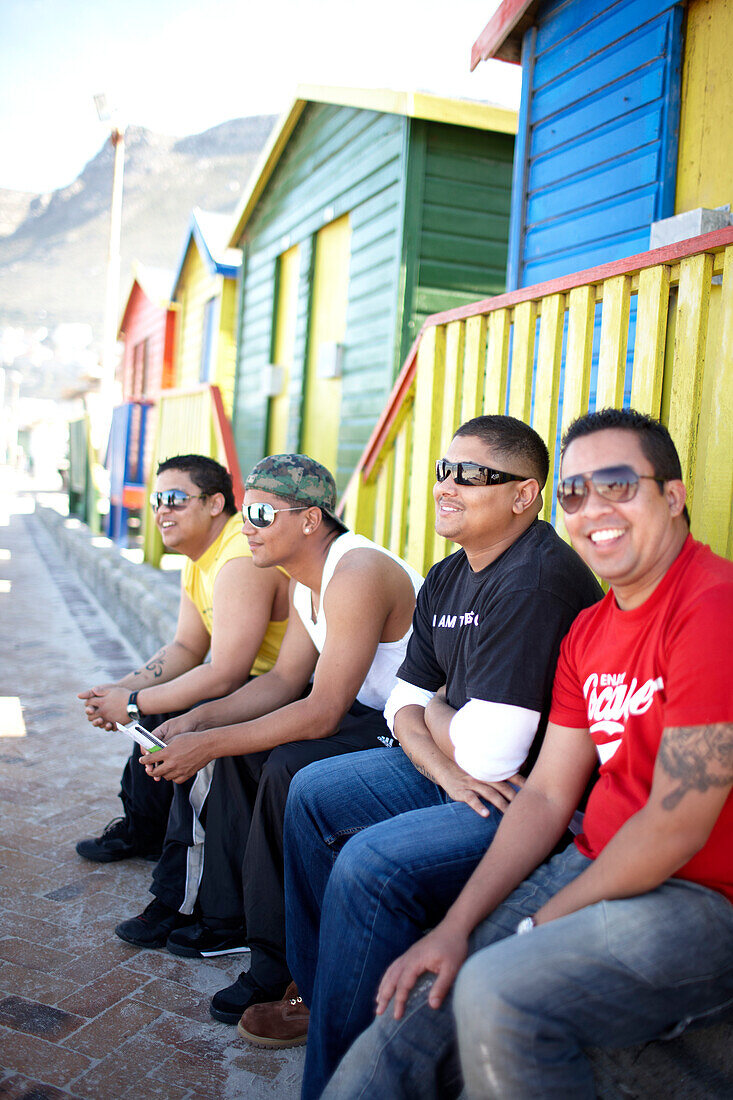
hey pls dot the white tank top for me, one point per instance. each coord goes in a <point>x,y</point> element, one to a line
<point>380,678</point>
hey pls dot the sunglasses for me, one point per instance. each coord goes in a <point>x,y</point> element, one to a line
<point>263,515</point>
<point>618,484</point>
<point>173,498</point>
<point>470,473</point>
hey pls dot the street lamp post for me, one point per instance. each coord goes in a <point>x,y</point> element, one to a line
<point>109,352</point>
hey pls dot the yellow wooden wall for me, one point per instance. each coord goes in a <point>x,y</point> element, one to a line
<point>705,178</point>
<point>705,159</point>
<point>322,400</point>
<point>286,315</point>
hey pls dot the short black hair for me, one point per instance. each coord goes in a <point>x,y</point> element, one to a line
<point>207,474</point>
<point>523,448</point>
<point>655,441</point>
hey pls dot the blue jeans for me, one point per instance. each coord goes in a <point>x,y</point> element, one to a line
<point>524,1007</point>
<point>351,908</point>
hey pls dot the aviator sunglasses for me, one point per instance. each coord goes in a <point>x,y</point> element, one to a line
<point>263,515</point>
<point>619,484</point>
<point>173,498</point>
<point>470,473</point>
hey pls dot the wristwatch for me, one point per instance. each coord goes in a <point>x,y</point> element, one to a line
<point>525,925</point>
<point>132,708</point>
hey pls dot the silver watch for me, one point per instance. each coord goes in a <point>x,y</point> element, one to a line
<point>526,925</point>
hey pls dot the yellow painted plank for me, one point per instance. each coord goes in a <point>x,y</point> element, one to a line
<point>614,342</point>
<point>581,314</point>
<point>456,363</point>
<point>474,369</point>
<point>383,501</point>
<point>520,382</point>
<point>497,359</point>
<point>712,513</point>
<point>427,417</point>
<point>547,386</point>
<point>652,306</point>
<point>401,485</point>
<point>465,365</point>
<point>359,505</point>
<point>689,359</point>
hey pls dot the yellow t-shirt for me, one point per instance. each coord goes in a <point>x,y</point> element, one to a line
<point>198,579</point>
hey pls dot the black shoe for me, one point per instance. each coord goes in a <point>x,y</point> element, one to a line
<point>199,942</point>
<point>228,1004</point>
<point>153,927</point>
<point>118,841</point>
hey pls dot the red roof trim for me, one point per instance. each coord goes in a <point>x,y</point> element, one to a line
<point>492,42</point>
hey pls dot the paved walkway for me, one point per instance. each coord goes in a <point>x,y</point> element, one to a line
<point>82,1014</point>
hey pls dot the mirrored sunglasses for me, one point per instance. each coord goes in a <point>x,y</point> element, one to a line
<point>470,473</point>
<point>263,515</point>
<point>173,498</point>
<point>619,484</point>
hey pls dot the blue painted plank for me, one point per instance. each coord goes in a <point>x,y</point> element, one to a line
<point>612,26</point>
<point>619,177</point>
<point>594,152</point>
<point>617,216</point>
<point>601,109</point>
<point>635,52</point>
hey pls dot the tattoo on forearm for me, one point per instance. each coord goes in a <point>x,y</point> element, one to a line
<point>700,757</point>
<point>420,767</point>
<point>157,663</point>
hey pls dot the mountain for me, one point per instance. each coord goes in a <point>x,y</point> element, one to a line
<point>53,247</point>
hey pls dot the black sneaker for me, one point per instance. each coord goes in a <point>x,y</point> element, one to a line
<point>116,842</point>
<point>228,1004</point>
<point>153,927</point>
<point>199,942</point>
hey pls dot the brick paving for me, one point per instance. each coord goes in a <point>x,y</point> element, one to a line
<point>82,1014</point>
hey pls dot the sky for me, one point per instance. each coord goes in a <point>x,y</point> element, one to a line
<point>180,66</point>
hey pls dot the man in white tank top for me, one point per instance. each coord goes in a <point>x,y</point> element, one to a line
<point>351,607</point>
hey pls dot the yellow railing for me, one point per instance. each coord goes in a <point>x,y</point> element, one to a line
<point>507,354</point>
<point>190,421</point>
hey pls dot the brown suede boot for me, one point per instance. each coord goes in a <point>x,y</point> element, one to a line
<point>278,1023</point>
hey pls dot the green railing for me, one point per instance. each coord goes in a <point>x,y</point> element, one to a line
<point>509,353</point>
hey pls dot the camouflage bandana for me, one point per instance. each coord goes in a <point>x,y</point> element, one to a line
<point>297,478</point>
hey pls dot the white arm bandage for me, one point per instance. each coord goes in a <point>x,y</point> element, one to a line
<point>491,740</point>
<point>404,695</point>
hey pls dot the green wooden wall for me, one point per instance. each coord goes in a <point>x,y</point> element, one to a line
<point>429,213</point>
<point>339,160</point>
<point>457,219</point>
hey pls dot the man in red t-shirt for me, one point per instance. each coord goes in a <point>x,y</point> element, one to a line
<point>629,932</point>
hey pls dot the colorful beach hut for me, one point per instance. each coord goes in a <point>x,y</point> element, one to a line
<point>205,289</point>
<point>369,211</point>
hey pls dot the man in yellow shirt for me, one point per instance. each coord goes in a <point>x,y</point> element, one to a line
<point>227,606</point>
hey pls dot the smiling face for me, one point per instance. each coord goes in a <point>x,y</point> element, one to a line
<point>630,545</point>
<point>483,519</point>
<point>187,530</point>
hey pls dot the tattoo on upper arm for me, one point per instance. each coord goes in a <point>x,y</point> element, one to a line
<point>700,757</point>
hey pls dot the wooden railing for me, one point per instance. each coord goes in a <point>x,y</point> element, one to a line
<point>190,421</point>
<point>546,354</point>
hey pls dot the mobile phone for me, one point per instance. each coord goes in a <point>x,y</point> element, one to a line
<point>145,739</point>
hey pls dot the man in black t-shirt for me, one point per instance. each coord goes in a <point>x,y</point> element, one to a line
<point>468,709</point>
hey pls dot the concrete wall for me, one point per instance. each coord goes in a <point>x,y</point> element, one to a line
<point>141,600</point>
